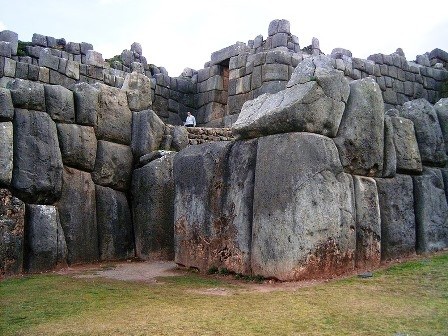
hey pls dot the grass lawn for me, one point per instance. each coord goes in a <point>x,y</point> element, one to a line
<point>406,299</point>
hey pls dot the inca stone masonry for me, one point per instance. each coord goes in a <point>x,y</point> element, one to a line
<point>305,165</point>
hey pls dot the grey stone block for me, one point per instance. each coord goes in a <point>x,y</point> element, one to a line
<point>72,70</point>
<point>78,146</point>
<point>86,99</point>
<point>279,40</point>
<point>77,213</point>
<point>138,91</point>
<point>278,26</point>
<point>228,52</point>
<point>431,211</point>
<point>273,72</point>
<point>114,116</point>
<point>39,40</point>
<point>5,49</point>
<point>46,59</point>
<point>6,106</point>
<point>46,248</point>
<point>85,47</point>
<point>12,38</point>
<point>115,235</point>
<point>408,155</point>
<point>12,223</point>
<point>9,68</point>
<point>6,153</point>
<point>147,132</point>
<point>396,199</point>
<point>153,209</point>
<point>368,223</point>
<point>113,165</point>
<point>37,172</point>
<point>33,72</point>
<point>60,103</point>
<point>441,108</point>
<point>73,48</point>
<point>305,204</point>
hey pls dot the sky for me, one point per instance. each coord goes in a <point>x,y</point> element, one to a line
<point>180,34</point>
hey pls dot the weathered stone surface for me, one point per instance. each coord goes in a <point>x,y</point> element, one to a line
<point>12,219</point>
<point>6,152</point>
<point>45,241</point>
<point>147,132</point>
<point>77,212</point>
<point>153,209</point>
<point>147,158</point>
<point>114,116</point>
<point>180,138</point>
<point>397,216</point>
<point>113,165</point>
<point>138,91</point>
<point>78,146</point>
<point>6,106</point>
<point>94,58</point>
<point>441,108</point>
<point>12,38</point>
<point>115,236</point>
<point>406,147</point>
<point>27,94</point>
<point>37,169</point>
<point>228,52</point>
<point>213,204</point>
<point>360,139</point>
<point>431,211</point>
<point>314,102</point>
<point>278,26</point>
<point>368,223</point>
<point>390,153</point>
<point>427,130</point>
<point>60,103</point>
<point>303,212</point>
<point>86,103</point>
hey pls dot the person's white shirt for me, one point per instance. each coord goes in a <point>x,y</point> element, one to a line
<point>191,120</point>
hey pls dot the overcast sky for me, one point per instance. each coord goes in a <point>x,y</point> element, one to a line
<point>179,34</point>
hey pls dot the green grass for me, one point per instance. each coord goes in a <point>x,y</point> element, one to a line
<point>409,298</point>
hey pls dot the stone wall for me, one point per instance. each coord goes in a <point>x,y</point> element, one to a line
<point>320,182</point>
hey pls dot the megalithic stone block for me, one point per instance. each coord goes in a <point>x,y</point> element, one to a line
<point>6,153</point>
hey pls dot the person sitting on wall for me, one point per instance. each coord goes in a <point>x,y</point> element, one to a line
<point>190,121</point>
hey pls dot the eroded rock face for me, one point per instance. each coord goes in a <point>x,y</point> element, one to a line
<point>441,108</point>
<point>360,139</point>
<point>313,101</point>
<point>77,212</point>
<point>153,208</point>
<point>396,197</point>
<point>147,132</point>
<point>12,220</point>
<point>6,153</point>
<point>431,211</point>
<point>213,205</point>
<point>45,241</point>
<point>37,172</point>
<point>114,222</point>
<point>368,223</point>
<point>86,99</point>
<point>427,130</point>
<point>303,212</point>
<point>138,91</point>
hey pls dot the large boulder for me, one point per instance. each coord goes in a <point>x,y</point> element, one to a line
<point>12,220</point>
<point>153,209</point>
<point>431,211</point>
<point>368,223</point>
<point>27,94</point>
<point>37,169</point>
<point>441,108</point>
<point>78,145</point>
<point>360,139</point>
<point>86,104</point>
<point>6,153</point>
<point>390,153</point>
<point>313,101</point>
<point>147,132</point>
<point>114,222</point>
<point>77,212</point>
<point>303,210</point>
<point>45,242</point>
<point>213,204</point>
<point>396,199</point>
<point>138,91</point>
<point>60,103</point>
<point>180,138</point>
<point>113,165</point>
<point>427,130</point>
<point>406,147</point>
<point>114,116</point>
